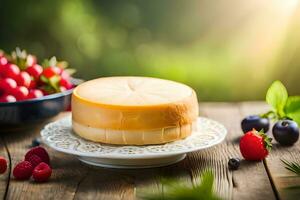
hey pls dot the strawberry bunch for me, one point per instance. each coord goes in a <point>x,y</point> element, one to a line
<point>22,78</point>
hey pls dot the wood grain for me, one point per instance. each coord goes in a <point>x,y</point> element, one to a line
<point>251,180</point>
<point>103,183</point>
<point>74,180</point>
<point>4,178</point>
<point>286,184</point>
<point>63,181</point>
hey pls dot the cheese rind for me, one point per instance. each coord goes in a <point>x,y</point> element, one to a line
<point>135,105</point>
<point>136,137</point>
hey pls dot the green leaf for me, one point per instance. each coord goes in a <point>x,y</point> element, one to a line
<point>45,63</point>
<point>277,96</point>
<point>267,140</point>
<point>19,57</point>
<point>62,64</point>
<point>54,82</point>
<point>295,116</point>
<point>174,190</point>
<point>70,71</point>
<point>49,62</point>
<point>292,104</point>
<point>44,79</point>
<point>292,108</point>
<point>52,61</point>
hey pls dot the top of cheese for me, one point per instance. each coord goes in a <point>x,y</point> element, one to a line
<point>132,91</point>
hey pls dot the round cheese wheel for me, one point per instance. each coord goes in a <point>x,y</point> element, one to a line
<point>133,110</point>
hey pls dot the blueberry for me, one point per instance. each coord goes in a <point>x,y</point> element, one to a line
<point>234,163</point>
<point>35,142</point>
<point>255,122</point>
<point>286,132</point>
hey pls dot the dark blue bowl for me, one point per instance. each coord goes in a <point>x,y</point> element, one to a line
<point>33,111</point>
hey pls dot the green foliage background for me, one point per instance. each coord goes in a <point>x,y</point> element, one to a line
<point>226,50</point>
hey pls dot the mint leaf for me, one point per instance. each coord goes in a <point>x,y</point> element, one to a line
<point>292,108</point>
<point>277,96</point>
<point>295,116</point>
<point>292,104</point>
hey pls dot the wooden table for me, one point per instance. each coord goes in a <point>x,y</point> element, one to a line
<point>74,180</point>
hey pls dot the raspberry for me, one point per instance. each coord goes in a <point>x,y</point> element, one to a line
<point>42,172</point>
<point>40,152</point>
<point>3,165</point>
<point>23,170</point>
<point>34,160</point>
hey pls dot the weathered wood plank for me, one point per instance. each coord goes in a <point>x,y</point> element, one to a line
<point>74,180</point>
<point>286,184</point>
<point>66,170</point>
<point>105,184</point>
<point>71,179</point>
<point>251,180</point>
<point>4,178</point>
<point>102,183</point>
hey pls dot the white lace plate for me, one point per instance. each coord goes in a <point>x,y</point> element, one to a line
<point>59,136</point>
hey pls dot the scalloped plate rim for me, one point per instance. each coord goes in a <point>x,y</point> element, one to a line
<point>148,155</point>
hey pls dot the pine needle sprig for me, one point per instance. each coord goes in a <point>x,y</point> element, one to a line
<point>292,166</point>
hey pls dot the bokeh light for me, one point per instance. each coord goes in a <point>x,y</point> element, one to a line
<point>226,50</point>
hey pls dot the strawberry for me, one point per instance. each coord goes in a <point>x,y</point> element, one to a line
<point>51,71</point>
<point>255,145</point>
<point>33,84</point>
<point>62,89</point>
<point>35,71</point>
<point>41,172</point>
<point>35,93</point>
<point>20,93</point>
<point>66,83</point>
<point>10,71</point>
<point>31,60</point>
<point>3,61</point>
<point>23,170</point>
<point>7,98</point>
<point>23,79</point>
<point>7,85</point>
